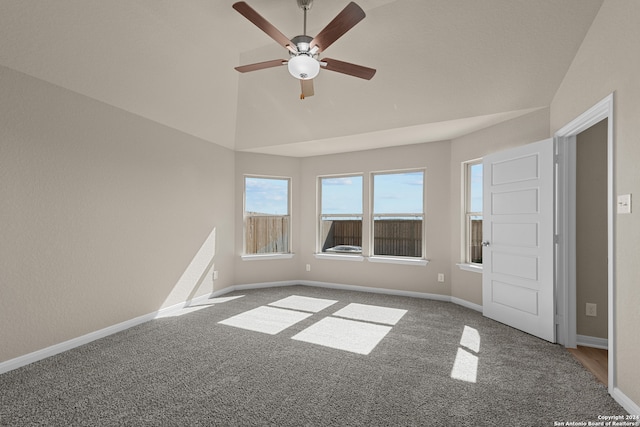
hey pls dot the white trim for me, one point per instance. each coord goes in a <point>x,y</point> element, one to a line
<point>319,215</point>
<point>354,288</point>
<point>289,206</point>
<point>380,259</point>
<point>265,257</point>
<point>466,205</point>
<point>384,291</point>
<point>629,405</point>
<point>467,304</point>
<point>248,286</point>
<point>339,257</point>
<point>600,111</point>
<point>592,116</point>
<point>372,214</point>
<point>476,268</point>
<point>566,247</point>
<point>595,342</point>
<point>397,260</point>
<point>37,355</point>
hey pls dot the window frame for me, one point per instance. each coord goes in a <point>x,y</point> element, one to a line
<point>267,255</point>
<point>422,260</point>
<point>467,213</point>
<point>320,216</point>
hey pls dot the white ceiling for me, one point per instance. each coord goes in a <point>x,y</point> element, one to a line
<point>445,67</point>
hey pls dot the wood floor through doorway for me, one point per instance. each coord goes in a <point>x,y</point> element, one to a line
<point>595,360</point>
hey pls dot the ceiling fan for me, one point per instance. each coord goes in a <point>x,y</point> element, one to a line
<point>304,63</point>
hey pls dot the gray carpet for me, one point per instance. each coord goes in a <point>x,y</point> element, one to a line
<point>190,370</point>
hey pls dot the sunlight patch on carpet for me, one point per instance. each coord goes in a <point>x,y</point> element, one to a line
<point>371,313</point>
<point>267,320</point>
<point>342,334</point>
<point>296,302</point>
<point>465,367</point>
<point>470,339</point>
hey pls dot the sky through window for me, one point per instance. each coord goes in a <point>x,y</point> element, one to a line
<point>398,193</point>
<point>342,195</point>
<point>269,196</point>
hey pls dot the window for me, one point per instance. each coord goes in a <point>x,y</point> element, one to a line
<point>398,213</point>
<point>340,227</point>
<point>267,220</point>
<point>473,212</point>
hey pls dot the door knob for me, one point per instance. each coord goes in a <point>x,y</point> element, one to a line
<point>485,243</point>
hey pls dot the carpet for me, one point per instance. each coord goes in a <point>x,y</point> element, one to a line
<point>437,364</point>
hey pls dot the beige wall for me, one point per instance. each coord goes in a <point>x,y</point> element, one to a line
<point>591,229</point>
<point>607,62</point>
<point>533,127</point>
<point>101,212</point>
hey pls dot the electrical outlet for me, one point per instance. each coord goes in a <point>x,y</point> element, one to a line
<point>440,277</point>
<point>591,309</point>
<point>308,267</point>
<point>215,275</point>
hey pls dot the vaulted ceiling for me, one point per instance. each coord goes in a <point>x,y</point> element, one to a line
<point>445,67</point>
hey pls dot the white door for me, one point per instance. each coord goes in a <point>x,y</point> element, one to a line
<point>518,234</point>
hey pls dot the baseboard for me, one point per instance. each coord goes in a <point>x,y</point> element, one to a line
<point>595,342</point>
<point>37,355</point>
<point>262,285</point>
<point>629,405</point>
<point>330,285</point>
<point>372,290</point>
<point>465,303</point>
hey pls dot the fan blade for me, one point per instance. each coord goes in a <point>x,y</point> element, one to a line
<point>348,68</point>
<point>261,65</point>
<point>307,88</point>
<point>343,22</point>
<point>248,12</point>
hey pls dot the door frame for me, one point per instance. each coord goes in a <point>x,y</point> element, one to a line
<point>565,142</point>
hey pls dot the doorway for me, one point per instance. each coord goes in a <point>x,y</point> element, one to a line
<point>567,217</point>
<point>591,237</point>
<point>591,251</point>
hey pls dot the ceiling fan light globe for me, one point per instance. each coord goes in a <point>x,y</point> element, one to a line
<point>303,67</point>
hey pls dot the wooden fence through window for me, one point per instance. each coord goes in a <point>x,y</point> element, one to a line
<point>341,232</point>
<point>266,234</point>
<point>475,241</point>
<point>400,237</point>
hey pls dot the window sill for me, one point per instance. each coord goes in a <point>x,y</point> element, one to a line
<point>339,257</point>
<point>470,267</point>
<point>264,257</point>
<point>398,260</point>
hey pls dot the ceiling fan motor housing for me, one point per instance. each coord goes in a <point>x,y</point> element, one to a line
<point>302,43</point>
<point>305,4</point>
